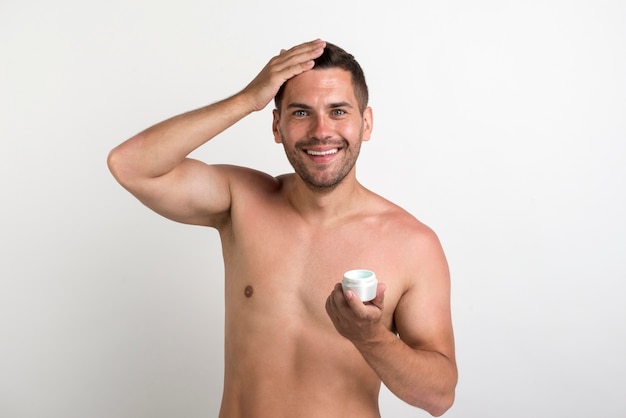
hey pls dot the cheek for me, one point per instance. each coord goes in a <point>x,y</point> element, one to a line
<point>349,130</point>
<point>294,130</point>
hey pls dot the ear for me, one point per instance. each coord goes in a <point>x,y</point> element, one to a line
<point>368,124</point>
<point>277,137</point>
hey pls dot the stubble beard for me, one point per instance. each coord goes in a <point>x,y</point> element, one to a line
<point>323,180</point>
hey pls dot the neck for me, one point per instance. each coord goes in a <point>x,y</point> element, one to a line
<point>324,205</point>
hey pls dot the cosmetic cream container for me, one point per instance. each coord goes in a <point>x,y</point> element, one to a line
<point>361,282</point>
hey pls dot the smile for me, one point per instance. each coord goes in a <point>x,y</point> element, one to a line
<point>327,152</point>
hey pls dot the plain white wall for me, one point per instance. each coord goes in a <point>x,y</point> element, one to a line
<point>501,124</point>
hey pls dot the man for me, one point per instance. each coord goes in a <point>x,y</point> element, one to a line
<point>296,344</point>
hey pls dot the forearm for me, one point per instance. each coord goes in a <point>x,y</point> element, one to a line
<point>425,379</point>
<point>160,148</point>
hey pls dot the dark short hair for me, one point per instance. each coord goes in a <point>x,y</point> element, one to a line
<point>335,57</point>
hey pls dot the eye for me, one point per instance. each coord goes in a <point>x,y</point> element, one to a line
<point>300,113</point>
<point>338,112</point>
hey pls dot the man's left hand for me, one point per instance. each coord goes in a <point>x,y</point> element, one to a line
<point>357,321</point>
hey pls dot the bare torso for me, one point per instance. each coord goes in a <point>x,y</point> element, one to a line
<point>283,357</point>
<point>291,334</point>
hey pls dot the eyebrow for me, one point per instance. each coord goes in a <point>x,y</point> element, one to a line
<point>307,107</point>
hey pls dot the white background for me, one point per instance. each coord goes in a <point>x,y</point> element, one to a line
<point>501,124</point>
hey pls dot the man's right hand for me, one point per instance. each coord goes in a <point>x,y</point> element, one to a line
<point>154,167</point>
<point>288,64</point>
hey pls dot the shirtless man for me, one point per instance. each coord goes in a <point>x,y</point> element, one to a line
<point>296,345</point>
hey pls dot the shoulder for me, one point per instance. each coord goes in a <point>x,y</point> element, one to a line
<point>228,189</point>
<point>413,242</point>
<point>403,225</point>
<point>253,190</point>
<point>245,182</point>
<point>245,176</point>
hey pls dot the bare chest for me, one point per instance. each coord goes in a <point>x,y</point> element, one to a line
<point>290,267</point>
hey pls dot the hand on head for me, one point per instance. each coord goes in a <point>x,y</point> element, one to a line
<point>289,63</point>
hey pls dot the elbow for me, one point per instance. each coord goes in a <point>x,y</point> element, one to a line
<point>115,163</point>
<point>436,404</point>
<point>441,405</point>
<point>120,165</point>
<point>436,401</point>
<point>442,396</point>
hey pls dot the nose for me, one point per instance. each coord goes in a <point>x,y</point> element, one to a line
<point>321,127</point>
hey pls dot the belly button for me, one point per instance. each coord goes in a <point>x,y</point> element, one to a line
<point>249,291</point>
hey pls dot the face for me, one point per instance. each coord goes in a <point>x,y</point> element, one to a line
<point>321,127</point>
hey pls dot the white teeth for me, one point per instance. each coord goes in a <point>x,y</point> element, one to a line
<point>328,152</point>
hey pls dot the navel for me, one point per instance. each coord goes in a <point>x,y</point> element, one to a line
<point>249,291</point>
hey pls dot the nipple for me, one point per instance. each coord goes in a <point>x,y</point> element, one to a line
<point>249,291</point>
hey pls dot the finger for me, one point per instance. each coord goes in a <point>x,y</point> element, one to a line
<point>378,301</point>
<point>301,55</point>
<point>338,297</point>
<point>329,309</point>
<point>333,310</point>
<point>354,302</point>
<point>331,301</point>
<point>307,46</point>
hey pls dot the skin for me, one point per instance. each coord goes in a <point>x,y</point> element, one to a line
<point>295,343</point>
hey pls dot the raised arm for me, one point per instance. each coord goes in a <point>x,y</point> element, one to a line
<point>154,165</point>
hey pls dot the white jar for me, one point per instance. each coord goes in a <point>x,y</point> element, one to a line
<point>361,282</point>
